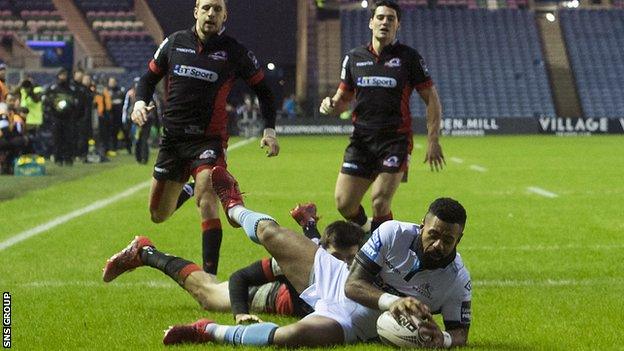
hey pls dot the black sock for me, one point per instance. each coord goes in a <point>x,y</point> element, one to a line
<point>187,192</point>
<point>211,244</point>
<point>377,221</point>
<point>175,267</point>
<point>310,230</point>
<point>360,218</point>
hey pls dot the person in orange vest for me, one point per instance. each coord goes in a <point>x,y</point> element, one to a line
<point>4,90</point>
<point>104,105</point>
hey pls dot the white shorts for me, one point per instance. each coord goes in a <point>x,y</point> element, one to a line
<point>326,295</point>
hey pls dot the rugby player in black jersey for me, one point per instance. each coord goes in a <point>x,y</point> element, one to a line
<point>201,65</point>
<point>381,76</point>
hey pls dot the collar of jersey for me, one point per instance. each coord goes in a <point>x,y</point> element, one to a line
<point>209,39</point>
<point>370,49</point>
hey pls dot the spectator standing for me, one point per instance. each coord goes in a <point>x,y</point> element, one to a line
<point>62,106</point>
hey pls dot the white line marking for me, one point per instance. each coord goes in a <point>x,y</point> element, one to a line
<point>543,247</point>
<point>542,192</point>
<point>496,283</point>
<point>27,234</point>
<point>478,168</point>
<point>457,160</point>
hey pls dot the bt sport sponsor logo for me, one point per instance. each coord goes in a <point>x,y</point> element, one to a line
<point>377,82</point>
<point>195,72</point>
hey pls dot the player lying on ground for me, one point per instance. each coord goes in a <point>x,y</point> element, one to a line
<point>261,286</point>
<point>418,264</point>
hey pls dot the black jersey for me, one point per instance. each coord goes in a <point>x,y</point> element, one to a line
<point>383,84</point>
<point>200,77</point>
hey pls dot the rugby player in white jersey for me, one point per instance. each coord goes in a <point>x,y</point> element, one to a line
<point>411,270</point>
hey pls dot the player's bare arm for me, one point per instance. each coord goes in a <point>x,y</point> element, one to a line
<point>337,104</point>
<point>360,288</point>
<point>434,155</point>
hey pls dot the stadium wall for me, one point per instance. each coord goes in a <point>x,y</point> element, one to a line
<point>471,126</point>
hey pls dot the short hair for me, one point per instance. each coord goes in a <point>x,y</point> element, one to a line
<point>448,210</point>
<point>342,235</point>
<point>387,3</point>
<point>197,3</point>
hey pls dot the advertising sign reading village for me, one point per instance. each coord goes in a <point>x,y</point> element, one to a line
<point>581,126</point>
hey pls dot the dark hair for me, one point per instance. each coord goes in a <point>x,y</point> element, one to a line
<point>448,210</point>
<point>387,3</point>
<point>342,235</point>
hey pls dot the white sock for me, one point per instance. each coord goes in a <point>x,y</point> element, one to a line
<point>235,213</point>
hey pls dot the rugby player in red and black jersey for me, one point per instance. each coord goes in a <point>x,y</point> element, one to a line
<point>201,65</point>
<point>381,76</point>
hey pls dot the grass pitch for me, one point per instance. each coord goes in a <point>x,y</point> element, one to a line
<point>546,264</point>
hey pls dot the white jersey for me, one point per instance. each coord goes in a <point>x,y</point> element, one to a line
<point>388,255</point>
<point>391,254</point>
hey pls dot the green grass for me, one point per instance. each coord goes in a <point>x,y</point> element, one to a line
<point>547,272</point>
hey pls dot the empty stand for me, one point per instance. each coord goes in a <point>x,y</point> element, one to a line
<point>125,38</point>
<point>595,43</point>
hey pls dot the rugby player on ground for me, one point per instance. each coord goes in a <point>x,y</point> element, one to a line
<point>201,64</point>
<point>260,287</point>
<point>381,76</point>
<point>409,269</point>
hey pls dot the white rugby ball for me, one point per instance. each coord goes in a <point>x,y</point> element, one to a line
<point>401,333</point>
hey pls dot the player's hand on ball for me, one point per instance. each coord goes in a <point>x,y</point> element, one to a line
<point>327,106</point>
<point>269,139</point>
<point>410,307</point>
<point>247,319</point>
<point>430,331</point>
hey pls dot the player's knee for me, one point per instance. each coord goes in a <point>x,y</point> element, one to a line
<point>267,231</point>
<point>158,216</point>
<point>381,205</point>
<point>344,205</point>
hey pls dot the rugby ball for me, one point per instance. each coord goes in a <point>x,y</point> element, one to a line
<point>401,333</point>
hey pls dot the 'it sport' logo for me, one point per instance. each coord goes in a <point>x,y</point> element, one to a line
<point>380,82</point>
<point>194,72</point>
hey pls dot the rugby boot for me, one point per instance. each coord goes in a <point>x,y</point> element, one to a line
<point>226,187</point>
<point>127,259</point>
<point>304,213</point>
<point>189,333</point>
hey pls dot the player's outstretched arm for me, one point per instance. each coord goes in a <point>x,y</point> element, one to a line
<point>434,155</point>
<point>239,284</point>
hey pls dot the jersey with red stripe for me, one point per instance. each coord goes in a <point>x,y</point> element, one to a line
<point>200,76</point>
<point>383,84</point>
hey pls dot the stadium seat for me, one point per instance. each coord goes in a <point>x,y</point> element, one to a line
<point>595,39</point>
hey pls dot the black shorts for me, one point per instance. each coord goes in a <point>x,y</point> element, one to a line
<point>179,159</point>
<point>370,154</point>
